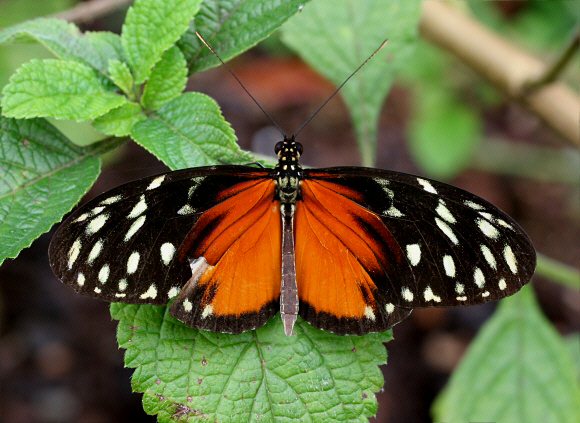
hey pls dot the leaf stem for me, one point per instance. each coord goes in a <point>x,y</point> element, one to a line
<point>558,272</point>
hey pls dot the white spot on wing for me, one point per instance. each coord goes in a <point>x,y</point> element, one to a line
<point>74,252</point>
<point>510,259</point>
<point>133,262</point>
<point>207,311</point>
<point>473,205</point>
<point>485,294</point>
<point>173,292</point>
<point>139,208</point>
<point>111,200</point>
<point>97,223</point>
<point>487,228</point>
<point>167,252</point>
<point>461,298</point>
<point>97,290</point>
<point>369,313</point>
<point>156,183</point>
<point>502,285</point>
<point>503,223</point>
<point>444,212</point>
<point>427,186</point>
<point>429,296</point>
<point>122,285</point>
<point>119,295</point>
<point>407,294</point>
<point>389,308</point>
<point>82,217</point>
<point>392,210</point>
<point>81,279</point>
<point>446,230</point>
<point>487,254</point>
<point>449,266</point>
<point>95,251</point>
<point>459,288</point>
<point>150,293</point>
<point>97,210</point>
<point>134,228</point>
<point>185,210</point>
<point>187,306</point>
<point>414,253</point>
<point>478,277</point>
<point>104,273</point>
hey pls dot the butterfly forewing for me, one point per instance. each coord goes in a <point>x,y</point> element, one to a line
<point>125,244</point>
<point>452,247</point>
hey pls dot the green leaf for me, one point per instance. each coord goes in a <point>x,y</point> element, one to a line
<point>259,375</point>
<point>107,45</point>
<point>231,28</point>
<point>572,343</point>
<point>336,36</point>
<point>443,134</point>
<point>56,88</point>
<point>151,27</point>
<point>119,121</point>
<point>189,131</point>
<point>63,39</point>
<point>121,76</point>
<point>516,370</point>
<point>42,176</point>
<point>167,81</point>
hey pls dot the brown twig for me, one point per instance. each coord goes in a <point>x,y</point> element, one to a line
<point>503,64</point>
<point>90,10</point>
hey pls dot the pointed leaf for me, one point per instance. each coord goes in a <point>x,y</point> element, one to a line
<point>121,76</point>
<point>231,28</point>
<point>336,36</point>
<point>167,81</point>
<point>42,176</point>
<point>189,131</point>
<point>151,27</point>
<point>59,89</point>
<point>517,370</point>
<point>259,375</point>
<point>119,121</point>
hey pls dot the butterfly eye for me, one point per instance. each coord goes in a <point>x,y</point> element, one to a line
<point>278,146</point>
<point>299,148</point>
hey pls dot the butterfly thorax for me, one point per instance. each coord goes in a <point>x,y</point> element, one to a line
<point>288,171</point>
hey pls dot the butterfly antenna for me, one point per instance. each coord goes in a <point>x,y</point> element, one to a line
<point>341,85</point>
<point>239,82</point>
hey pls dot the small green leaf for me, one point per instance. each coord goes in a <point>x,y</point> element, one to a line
<point>336,36</point>
<point>121,76</point>
<point>63,39</point>
<point>444,134</point>
<point>151,27</point>
<point>231,28</point>
<point>189,131</point>
<point>516,370</point>
<point>56,88</point>
<point>43,176</point>
<point>167,80</point>
<point>259,375</point>
<point>106,44</point>
<point>119,121</point>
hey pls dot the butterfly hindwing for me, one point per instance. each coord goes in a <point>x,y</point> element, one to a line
<point>457,248</point>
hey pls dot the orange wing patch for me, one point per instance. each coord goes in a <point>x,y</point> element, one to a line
<point>240,238</point>
<point>336,256</point>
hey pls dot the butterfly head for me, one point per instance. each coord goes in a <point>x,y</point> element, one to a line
<point>288,171</point>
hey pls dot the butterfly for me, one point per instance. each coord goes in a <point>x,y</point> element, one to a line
<point>351,250</point>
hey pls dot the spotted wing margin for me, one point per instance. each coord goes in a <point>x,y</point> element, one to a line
<point>123,245</point>
<point>458,248</point>
<point>340,248</point>
<point>236,280</point>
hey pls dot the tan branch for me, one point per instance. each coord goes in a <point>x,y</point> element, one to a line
<point>506,66</point>
<point>90,10</point>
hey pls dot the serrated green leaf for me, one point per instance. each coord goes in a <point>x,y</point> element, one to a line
<point>443,134</point>
<point>336,36</point>
<point>232,27</point>
<point>63,39</point>
<point>119,121</point>
<point>121,76</point>
<point>189,131</point>
<point>106,44</point>
<point>57,88</point>
<point>516,370</point>
<point>151,27</point>
<point>259,375</point>
<point>167,80</point>
<point>42,176</point>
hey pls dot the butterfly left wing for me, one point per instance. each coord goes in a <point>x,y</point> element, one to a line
<point>421,242</point>
<point>129,245</point>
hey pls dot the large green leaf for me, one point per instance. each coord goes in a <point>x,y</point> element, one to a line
<point>190,131</point>
<point>151,27</point>
<point>336,36</point>
<point>232,27</point>
<point>257,376</point>
<point>517,370</point>
<point>167,81</point>
<point>59,89</point>
<point>42,176</point>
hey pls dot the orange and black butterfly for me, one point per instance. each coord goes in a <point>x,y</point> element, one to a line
<point>351,250</point>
